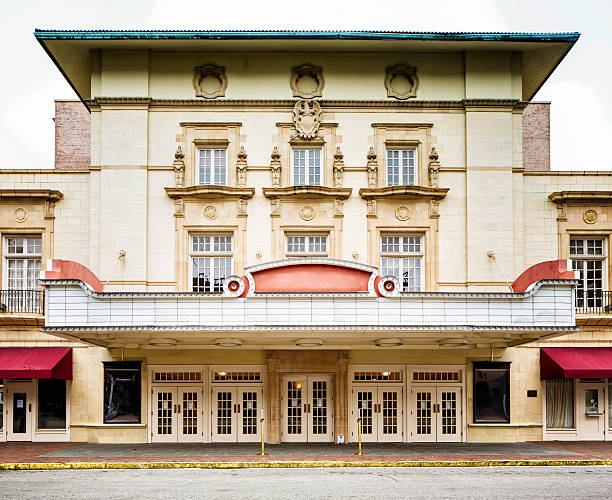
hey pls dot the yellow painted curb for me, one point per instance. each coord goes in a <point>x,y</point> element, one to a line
<point>293,464</point>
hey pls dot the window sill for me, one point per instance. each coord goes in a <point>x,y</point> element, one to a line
<point>507,425</point>
<point>404,191</point>
<point>101,426</point>
<point>307,192</point>
<point>209,191</point>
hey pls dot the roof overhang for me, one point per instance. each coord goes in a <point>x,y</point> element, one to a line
<point>70,50</point>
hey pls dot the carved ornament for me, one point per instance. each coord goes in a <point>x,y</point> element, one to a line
<point>179,207</point>
<point>209,70</point>
<point>21,214</point>
<point>307,118</point>
<point>179,167</point>
<point>402,213</point>
<point>211,212</point>
<point>372,168</point>
<point>241,167</point>
<point>275,167</point>
<point>338,167</point>
<point>306,212</point>
<point>403,72</point>
<point>338,208</point>
<point>309,71</point>
<point>589,216</point>
<point>242,207</point>
<point>434,168</point>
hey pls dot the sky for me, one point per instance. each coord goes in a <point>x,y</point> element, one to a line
<point>580,88</point>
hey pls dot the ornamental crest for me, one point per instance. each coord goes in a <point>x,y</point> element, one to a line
<point>307,118</point>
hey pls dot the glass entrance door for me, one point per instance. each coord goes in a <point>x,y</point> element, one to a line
<point>380,409</point>
<point>436,414</point>
<point>236,414</point>
<point>19,403</point>
<point>177,414</point>
<point>307,404</point>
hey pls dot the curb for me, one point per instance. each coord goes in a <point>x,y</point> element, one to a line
<point>293,464</point>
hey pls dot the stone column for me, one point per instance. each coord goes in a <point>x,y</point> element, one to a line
<point>273,420</point>
<point>341,396</point>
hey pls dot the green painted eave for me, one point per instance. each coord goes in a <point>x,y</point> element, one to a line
<point>71,50</point>
<point>303,35</point>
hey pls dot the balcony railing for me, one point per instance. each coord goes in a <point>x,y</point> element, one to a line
<point>594,301</point>
<point>22,301</point>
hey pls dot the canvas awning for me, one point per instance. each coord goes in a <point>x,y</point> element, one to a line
<point>575,362</point>
<point>36,362</point>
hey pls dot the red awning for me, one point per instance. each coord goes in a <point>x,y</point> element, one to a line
<point>36,362</point>
<point>575,362</point>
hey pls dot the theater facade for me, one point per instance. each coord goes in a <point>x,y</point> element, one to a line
<point>320,230</point>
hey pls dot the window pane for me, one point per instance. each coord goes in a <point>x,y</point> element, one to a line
<point>220,166</point>
<point>205,166</point>
<point>51,404</point>
<point>491,392</point>
<point>299,167</point>
<point>393,173</point>
<point>122,392</point>
<point>314,167</point>
<point>560,404</point>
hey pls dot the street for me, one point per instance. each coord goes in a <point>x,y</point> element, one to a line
<point>383,482</point>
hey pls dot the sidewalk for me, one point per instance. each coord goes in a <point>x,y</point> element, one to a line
<point>83,455</point>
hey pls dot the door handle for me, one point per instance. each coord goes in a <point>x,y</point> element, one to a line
<point>234,407</point>
<point>305,408</point>
<point>179,409</point>
<point>238,407</point>
<point>30,407</point>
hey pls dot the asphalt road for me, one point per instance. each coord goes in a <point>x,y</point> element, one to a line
<point>383,482</point>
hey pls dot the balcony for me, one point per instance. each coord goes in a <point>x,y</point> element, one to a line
<point>593,307</point>
<point>22,307</point>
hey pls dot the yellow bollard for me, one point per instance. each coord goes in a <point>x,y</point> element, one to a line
<point>359,434</point>
<point>263,452</point>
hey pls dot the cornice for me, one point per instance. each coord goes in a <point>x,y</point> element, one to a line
<point>152,103</point>
<point>569,173</point>
<point>32,194</point>
<point>402,125</point>
<point>45,171</point>
<point>404,192</point>
<point>208,192</point>
<point>301,192</point>
<point>581,196</point>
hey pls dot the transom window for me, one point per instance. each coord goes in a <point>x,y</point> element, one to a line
<point>211,262</point>
<point>401,168</point>
<point>588,258</point>
<point>306,169</point>
<point>308,245</point>
<point>22,259</point>
<point>212,166</point>
<point>402,257</point>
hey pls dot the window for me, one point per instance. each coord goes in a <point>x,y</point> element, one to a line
<point>402,257</point>
<point>491,392</point>
<point>306,246</point>
<point>22,257</point>
<point>122,392</point>
<point>211,262</point>
<point>212,166</point>
<point>401,168</point>
<point>51,404</point>
<point>560,404</point>
<point>588,258</point>
<point>306,169</point>
<point>1,404</point>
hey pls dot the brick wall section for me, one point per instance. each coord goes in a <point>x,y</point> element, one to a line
<point>72,135</point>
<point>536,136</point>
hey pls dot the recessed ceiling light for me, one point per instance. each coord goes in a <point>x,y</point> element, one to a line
<point>392,342</point>
<point>309,342</point>
<point>228,342</point>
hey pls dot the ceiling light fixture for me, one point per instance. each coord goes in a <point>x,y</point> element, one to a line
<point>392,342</point>
<point>309,342</point>
<point>227,342</point>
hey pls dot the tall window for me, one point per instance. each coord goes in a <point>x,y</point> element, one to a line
<point>307,246</point>
<point>22,256</point>
<point>402,257</point>
<point>211,262</point>
<point>1,404</point>
<point>212,166</point>
<point>560,403</point>
<point>51,404</point>
<point>588,258</point>
<point>401,168</point>
<point>306,167</point>
<point>491,391</point>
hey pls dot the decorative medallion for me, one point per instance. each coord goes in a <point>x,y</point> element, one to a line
<point>307,81</point>
<point>211,212</point>
<point>307,118</point>
<point>307,212</point>
<point>21,214</point>
<point>234,286</point>
<point>389,286</point>
<point>209,81</point>
<point>402,213</point>
<point>401,81</point>
<point>590,216</point>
